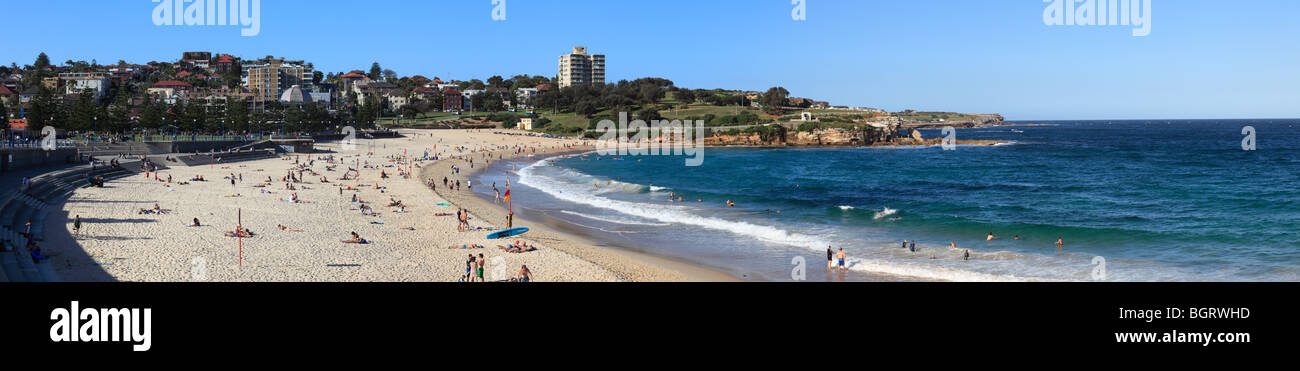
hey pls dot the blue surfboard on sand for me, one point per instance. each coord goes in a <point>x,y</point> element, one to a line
<point>507,233</point>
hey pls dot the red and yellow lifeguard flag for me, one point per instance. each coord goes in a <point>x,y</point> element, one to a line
<point>507,195</point>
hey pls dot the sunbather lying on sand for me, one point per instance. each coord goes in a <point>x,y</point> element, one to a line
<point>356,239</point>
<point>245,233</point>
<point>517,249</point>
<point>466,247</point>
<point>287,229</point>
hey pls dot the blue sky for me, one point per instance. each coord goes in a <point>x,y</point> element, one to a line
<point>1203,58</point>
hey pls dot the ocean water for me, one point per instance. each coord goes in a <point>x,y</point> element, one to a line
<point>1156,200</point>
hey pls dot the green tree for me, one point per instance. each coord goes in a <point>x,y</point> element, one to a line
<point>151,117</point>
<point>294,118</point>
<point>83,113</point>
<point>42,61</point>
<point>685,96</point>
<point>375,71</point>
<point>44,110</point>
<point>237,114</point>
<point>115,118</point>
<point>648,114</point>
<point>316,77</point>
<point>651,94</point>
<point>775,98</point>
<point>194,118</point>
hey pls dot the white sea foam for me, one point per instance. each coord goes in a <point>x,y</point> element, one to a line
<point>847,208</point>
<point>577,193</point>
<point>577,190</point>
<point>885,213</point>
<point>611,220</point>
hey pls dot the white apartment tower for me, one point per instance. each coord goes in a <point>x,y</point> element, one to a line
<point>581,68</point>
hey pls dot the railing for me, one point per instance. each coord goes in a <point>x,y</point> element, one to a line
<point>35,144</point>
<point>166,138</point>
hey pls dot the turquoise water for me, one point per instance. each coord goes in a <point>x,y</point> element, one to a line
<point>1157,200</point>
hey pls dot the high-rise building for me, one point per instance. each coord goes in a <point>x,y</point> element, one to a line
<point>581,68</point>
<point>268,78</point>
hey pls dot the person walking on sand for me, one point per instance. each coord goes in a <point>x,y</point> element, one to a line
<point>76,226</point>
<point>840,255</point>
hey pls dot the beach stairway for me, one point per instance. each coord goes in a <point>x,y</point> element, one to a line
<point>32,204</point>
<point>226,157</point>
<point>109,150</point>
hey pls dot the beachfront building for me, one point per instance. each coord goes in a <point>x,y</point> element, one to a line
<point>580,68</point>
<point>76,82</point>
<point>452,100</point>
<point>397,99</point>
<point>524,97</point>
<point>268,78</point>
<point>8,96</point>
<point>170,92</point>
<point>468,98</point>
<point>295,95</point>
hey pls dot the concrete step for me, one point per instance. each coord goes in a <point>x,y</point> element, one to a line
<point>46,270</point>
<point>13,272</point>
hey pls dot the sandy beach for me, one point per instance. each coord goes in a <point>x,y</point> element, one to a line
<point>119,243</point>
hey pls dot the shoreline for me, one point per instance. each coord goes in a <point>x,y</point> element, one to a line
<point>575,232</point>
<point>624,263</point>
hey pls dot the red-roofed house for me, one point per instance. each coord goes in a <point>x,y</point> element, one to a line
<point>225,63</point>
<point>425,92</point>
<point>170,91</point>
<point>350,79</point>
<point>8,96</point>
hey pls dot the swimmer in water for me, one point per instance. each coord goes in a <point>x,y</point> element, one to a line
<point>991,237</point>
<point>1060,243</point>
<point>965,255</point>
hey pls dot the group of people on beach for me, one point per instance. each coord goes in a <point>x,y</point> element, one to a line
<point>475,266</point>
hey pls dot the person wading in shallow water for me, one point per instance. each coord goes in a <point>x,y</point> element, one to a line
<point>830,258</point>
